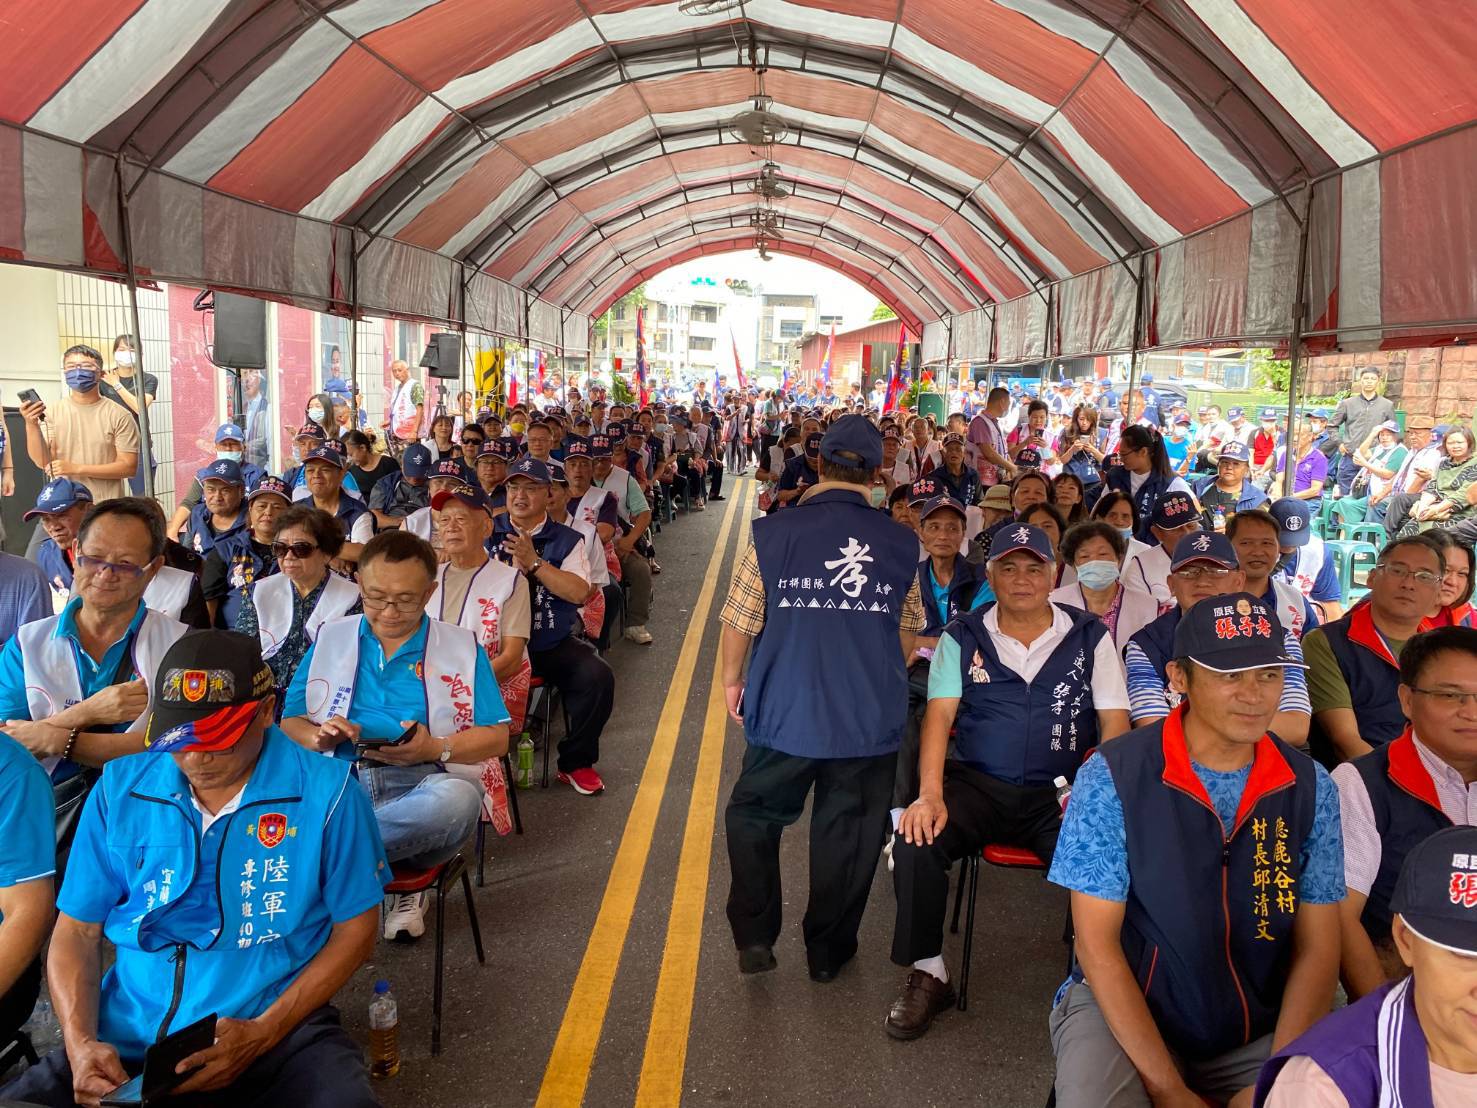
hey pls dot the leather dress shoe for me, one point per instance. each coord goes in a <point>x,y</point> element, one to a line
<point>923,997</point>
<point>756,959</point>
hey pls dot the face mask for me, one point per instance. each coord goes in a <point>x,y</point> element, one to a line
<point>879,496</point>
<point>315,414</point>
<point>517,428</point>
<point>1097,575</point>
<point>124,358</point>
<point>232,455</point>
<point>297,455</point>
<point>81,378</point>
<point>663,428</point>
<point>1126,532</point>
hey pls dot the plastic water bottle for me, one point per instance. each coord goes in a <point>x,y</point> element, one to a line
<point>1218,518</point>
<point>525,761</point>
<point>1063,793</point>
<point>384,1033</point>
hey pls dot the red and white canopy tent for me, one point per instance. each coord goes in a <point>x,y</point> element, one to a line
<point>1018,179</point>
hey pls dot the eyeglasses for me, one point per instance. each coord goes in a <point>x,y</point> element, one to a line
<point>118,569</point>
<point>298,550</point>
<point>1448,700</point>
<point>1401,572</point>
<point>472,441</point>
<point>1196,573</point>
<point>405,604</point>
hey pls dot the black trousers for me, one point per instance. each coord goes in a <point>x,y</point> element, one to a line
<point>848,825</point>
<point>689,480</point>
<point>19,1002</point>
<point>715,478</point>
<point>587,685</point>
<point>982,810</point>
<point>317,1063</point>
<point>1397,510</point>
<point>612,593</point>
<point>905,781</point>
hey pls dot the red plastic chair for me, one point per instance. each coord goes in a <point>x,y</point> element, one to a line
<point>408,879</point>
<point>1006,857</point>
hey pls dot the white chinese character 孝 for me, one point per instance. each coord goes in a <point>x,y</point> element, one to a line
<point>849,572</point>
<point>1021,534</point>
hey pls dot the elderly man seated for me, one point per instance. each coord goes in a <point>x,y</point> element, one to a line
<point>233,874</point>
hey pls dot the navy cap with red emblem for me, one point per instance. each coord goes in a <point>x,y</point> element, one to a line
<point>925,488</point>
<point>449,468</point>
<point>1436,892</point>
<point>206,692</point>
<point>1232,633</point>
<point>1174,509</point>
<point>599,446</point>
<point>267,485</point>
<point>1029,458</point>
<point>576,446</point>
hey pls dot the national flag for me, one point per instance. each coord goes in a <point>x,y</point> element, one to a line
<point>538,361</point>
<point>513,387</point>
<point>830,345</point>
<point>895,378</point>
<point>642,395</point>
<point>738,365</point>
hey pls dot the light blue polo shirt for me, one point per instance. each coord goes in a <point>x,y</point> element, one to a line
<point>387,690</point>
<point>27,839</point>
<point>92,677</point>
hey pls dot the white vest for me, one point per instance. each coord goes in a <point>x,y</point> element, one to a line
<point>169,591</point>
<point>273,598</point>
<point>1291,611</point>
<point>49,666</point>
<point>617,482</point>
<point>1307,566</point>
<point>482,608</point>
<point>450,674</point>
<point>419,522</point>
<point>587,512</point>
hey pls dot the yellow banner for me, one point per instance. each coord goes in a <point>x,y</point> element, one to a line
<point>491,390</point>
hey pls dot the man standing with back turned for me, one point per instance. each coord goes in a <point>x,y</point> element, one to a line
<point>827,596</point>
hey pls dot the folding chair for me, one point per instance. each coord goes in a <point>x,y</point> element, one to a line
<point>1006,857</point>
<point>407,879</point>
<point>544,713</point>
<point>482,823</point>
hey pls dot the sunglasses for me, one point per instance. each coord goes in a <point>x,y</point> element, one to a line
<point>298,550</point>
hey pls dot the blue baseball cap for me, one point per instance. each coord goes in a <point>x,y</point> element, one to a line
<point>1029,458</point>
<point>1269,413</point>
<point>530,469</point>
<point>310,430</point>
<point>1318,413</point>
<point>490,449</point>
<point>1148,378</point>
<point>1232,633</point>
<point>1173,509</point>
<point>941,503</point>
<point>813,444</point>
<point>505,446</point>
<point>853,441</point>
<point>576,446</point>
<point>208,689</point>
<point>469,495</point>
<point>1234,451</point>
<point>599,446</point>
<point>415,462</point>
<point>57,496</point>
<point>1436,892</point>
<point>223,469</point>
<point>1204,546</point>
<point>1021,536</point>
<point>229,431</point>
<point>923,489</point>
<point>267,485</point>
<point>1235,413</point>
<point>324,453</point>
<point>1293,518</point>
<point>556,473</point>
<point>449,468</point>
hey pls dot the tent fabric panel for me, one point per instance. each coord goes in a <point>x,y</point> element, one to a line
<point>1048,226</point>
<point>1359,249</point>
<point>544,326</point>
<point>1424,81</point>
<point>1209,302</point>
<point>166,218</point>
<point>1020,329</point>
<point>395,278</point>
<point>494,306</point>
<point>51,212</point>
<point>1271,278</point>
<point>575,333</point>
<point>935,342</point>
<point>972,334</point>
<point>36,64</point>
<point>547,230</point>
<point>996,274</point>
<point>1429,232</point>
<point>487,178</point>
<point>1093,313</point>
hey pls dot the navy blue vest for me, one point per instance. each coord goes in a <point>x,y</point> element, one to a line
<point>1156,640</point>
<point>1212,966</point>
<point>826,679</point>
<point>53,563</point>
<point>1371,672</point>
<point>962,587</point>
<point>199,533</point>
<point>1406,811</point>
<point>554,619</point>
<point>1026,734</point>
<point>244,567</point>
<point>1144,500</point>
<point>1374,1050</point>
<point>965,488</point>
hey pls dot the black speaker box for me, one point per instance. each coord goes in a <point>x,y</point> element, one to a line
<point>443,356</point>
<point>240,332</point>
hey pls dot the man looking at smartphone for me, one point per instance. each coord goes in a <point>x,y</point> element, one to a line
<point>84,436</point>
<point>235,874</point>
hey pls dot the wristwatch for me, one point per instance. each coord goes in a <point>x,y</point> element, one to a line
<point>445,750</point>
<point>537,565</point>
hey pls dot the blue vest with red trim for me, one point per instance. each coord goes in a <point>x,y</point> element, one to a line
<point>1406,812</point>
<point>1026,734</point>
<point>826,679</point>
<point>1211,955</point>
<point>962,587</point>
<point>554,618</point>
<point>1371,672</point>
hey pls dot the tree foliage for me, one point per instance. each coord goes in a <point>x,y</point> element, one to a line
<point>1273,374</point>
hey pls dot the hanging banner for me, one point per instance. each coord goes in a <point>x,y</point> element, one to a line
<point>490,366</point>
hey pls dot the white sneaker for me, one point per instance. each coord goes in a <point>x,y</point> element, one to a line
<point>639,635</point>
<point>405,917</point>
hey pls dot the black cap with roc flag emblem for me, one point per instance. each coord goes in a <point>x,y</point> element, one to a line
<point>206,693</point>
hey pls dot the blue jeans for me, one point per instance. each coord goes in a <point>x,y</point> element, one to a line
<point>425,815</point>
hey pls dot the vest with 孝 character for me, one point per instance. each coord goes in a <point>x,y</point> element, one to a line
<point>273,599</point>
<point>826,678</point>
<point>53,562</point>
<point>481,613</point>
<point>1303,571</point>
<point>1026,734</point>
<point>450,675</point>
<point>588,510</point>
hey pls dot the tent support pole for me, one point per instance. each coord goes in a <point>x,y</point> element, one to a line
<point>1295,348</point>
<point>358,394</point>
<point>141,394</point>
<point>1140,295</point>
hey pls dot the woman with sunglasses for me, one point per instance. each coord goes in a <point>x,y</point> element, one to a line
<point>286,609</point>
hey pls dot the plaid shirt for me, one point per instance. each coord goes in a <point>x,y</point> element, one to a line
<point>744,609</point>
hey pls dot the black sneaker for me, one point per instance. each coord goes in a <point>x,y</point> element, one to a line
<point>757,959</point>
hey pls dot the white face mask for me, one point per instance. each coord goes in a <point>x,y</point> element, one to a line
<point>235,455</point>
<point>315,414</point>
<point>1097,575</point>
<point>124,358</point>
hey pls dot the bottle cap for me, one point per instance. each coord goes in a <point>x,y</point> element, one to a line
<point>381,986</point>
<point>1059,782</point>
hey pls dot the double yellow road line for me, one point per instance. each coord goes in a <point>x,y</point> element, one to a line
<point>568,1071</point>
